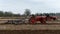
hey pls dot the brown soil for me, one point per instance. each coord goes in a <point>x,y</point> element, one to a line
<point>29,31</point>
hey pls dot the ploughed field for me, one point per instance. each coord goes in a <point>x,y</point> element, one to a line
<point>52,27</point>
<point>29,29</point>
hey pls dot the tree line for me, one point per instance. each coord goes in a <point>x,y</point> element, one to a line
<point>8,14</point>
<point>26,13</point>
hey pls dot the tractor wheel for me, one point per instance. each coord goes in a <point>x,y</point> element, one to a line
<point>43,22</point>
<point>54,19</point>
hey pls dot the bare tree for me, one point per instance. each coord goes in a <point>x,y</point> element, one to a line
<point>27,12</point>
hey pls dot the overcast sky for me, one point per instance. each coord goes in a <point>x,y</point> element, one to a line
<point>36,6</point>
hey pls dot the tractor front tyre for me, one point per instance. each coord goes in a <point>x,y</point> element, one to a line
<point>43,22</point>
<point>54,19</point>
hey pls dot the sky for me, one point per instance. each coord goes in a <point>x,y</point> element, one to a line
<point>36,6</point>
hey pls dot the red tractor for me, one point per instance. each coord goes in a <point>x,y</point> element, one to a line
<point>42,19</point>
